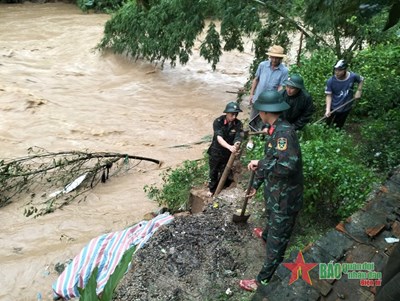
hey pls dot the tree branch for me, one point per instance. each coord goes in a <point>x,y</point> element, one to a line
<point>42,170</point>
<point>292,21</point>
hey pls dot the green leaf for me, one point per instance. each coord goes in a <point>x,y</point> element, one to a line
<point>116,277</point>
<point>89,292</point>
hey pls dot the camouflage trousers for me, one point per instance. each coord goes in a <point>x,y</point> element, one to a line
<point>276,235</point>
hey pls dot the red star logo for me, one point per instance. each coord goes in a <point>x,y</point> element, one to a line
<point>300,267</point>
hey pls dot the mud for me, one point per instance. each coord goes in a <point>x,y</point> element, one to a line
<point>197,257</point>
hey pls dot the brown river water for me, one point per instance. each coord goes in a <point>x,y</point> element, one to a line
<point>58,94</point>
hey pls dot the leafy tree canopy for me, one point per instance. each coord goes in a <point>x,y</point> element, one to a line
<point>166,30</point>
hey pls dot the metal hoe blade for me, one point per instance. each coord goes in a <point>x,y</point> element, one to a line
<point>242,218</point>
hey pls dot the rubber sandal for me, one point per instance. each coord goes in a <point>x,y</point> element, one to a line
<point>258,232</point>
<point>248,285</point>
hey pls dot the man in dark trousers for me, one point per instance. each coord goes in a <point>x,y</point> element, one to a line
<point>339,94</point>
<point>227,129</point>
<point>281,171</point>
<point>299,100</point>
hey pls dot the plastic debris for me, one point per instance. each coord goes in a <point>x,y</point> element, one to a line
<point>250,145</point>
<point>391,240</point>
<point>70,187</point>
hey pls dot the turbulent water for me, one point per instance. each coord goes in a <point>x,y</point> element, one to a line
<point>57,93</point>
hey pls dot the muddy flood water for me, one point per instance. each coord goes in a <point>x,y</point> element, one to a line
<point>59,94</point>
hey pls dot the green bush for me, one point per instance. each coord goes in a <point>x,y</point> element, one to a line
<point>381,140</point>
<point>315,70</point>
<point>177,183</point>
<point>377,111</point>
<point>377,64</point>
<point>380,67</point>
<point>336,183</point>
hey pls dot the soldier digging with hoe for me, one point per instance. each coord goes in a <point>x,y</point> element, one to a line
<point>227,129</point>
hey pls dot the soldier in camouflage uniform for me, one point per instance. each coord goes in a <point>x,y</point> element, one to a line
<point>281,171</point>
<point>227,129</point>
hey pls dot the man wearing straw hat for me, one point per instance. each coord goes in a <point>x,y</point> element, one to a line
<point>270,75</point>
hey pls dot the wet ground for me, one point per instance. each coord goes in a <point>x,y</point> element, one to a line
<point>203,256</point>
<point>197,257</point>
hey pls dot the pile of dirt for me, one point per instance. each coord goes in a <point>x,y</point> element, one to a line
<point>197,257</point>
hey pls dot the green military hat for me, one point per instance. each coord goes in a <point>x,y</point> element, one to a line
<point>295,81</point>
<point>232,107</point>
<point>270,101</point>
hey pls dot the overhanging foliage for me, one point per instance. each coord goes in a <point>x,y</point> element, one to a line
<point>162,30</point>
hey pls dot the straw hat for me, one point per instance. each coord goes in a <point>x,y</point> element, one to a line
<point>276,51</point>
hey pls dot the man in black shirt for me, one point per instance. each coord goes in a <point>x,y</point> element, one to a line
<point>299,100</point>
<point>227,129</point>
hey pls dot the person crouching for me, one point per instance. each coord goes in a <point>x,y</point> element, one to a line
<point>227,129</point>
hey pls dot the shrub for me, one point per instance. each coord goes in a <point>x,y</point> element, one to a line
<point>380,147</point>
<point>175,190</point>
<point>315,70</point>
<point>335,178</point>
<point>336,182</point>
<point>379,65</point>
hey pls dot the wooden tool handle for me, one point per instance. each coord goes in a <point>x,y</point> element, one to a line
<point>228,167</point>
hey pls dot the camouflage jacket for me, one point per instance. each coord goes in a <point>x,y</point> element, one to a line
<point>281,169</point>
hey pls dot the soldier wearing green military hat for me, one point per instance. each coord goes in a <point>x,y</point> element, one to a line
<point>281,172</point>
<point>299,100</point>
<point>227,129</point>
